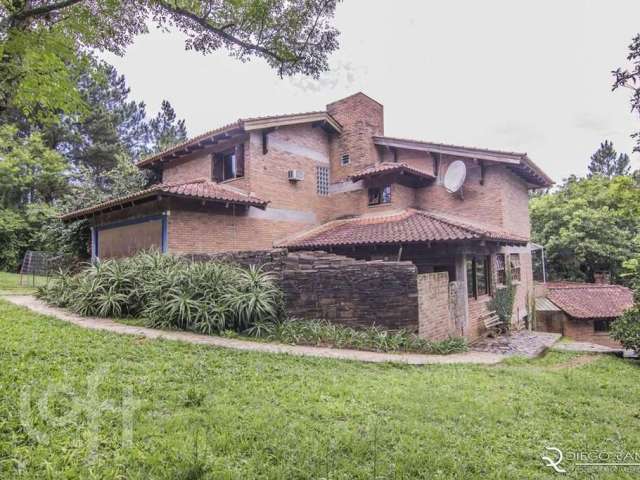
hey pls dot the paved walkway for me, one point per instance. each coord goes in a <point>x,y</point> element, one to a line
<point>524,342</point>
<point>109,325</point>
<point>585,347</point>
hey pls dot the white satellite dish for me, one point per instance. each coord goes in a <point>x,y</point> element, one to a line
<point>454,178</point>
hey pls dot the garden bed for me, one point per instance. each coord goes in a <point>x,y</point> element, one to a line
<point>214,298</point>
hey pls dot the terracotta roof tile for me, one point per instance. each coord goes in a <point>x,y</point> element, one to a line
<point>589,300</point>
<point>408,226</point>
<point>200,189</point>
<point>389,167</point>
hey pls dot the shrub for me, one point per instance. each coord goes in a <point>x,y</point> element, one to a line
<point>502,302</point>
<point>626,329</point>
<point>322,332</point>
<point>170,292</point>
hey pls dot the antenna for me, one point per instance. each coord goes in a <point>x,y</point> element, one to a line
<point>455,175</point>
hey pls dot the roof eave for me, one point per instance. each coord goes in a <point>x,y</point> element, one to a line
<point>90,212</point>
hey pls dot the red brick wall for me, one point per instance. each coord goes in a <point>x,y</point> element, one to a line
<point>435,320</point>
<point>195,166</point>
<point>298,147</point>
<point>361,117</point>
<point>211,229</point>
<point>582,331</point>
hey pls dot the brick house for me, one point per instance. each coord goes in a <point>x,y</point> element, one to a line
<point>582,311</point>
<point>331,180</point>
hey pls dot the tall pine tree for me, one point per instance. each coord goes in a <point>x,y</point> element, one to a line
<point>607,163</point>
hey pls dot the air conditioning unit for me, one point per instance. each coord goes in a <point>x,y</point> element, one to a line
<point>295,175</point>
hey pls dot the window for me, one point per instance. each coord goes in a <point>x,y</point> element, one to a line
<point>514,264</point>
<point>601,325</point>
<point>482,275</point>
<point>344,159</point>
<point>228,164</point>
<point>322,181</point>
<point>501,271</point>
<point>379,195</point>
<point>478,276</point>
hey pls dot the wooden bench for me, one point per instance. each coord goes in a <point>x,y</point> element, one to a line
<point>492,322</point>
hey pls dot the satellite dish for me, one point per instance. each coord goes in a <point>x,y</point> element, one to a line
<point>454,178</point>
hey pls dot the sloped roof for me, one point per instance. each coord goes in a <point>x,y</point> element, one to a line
<point>518,162</point>
<point>240,126</point>
<point>589,300</point>
<point>408,226</point>
<point>389,167</point>
<point>198,189</point>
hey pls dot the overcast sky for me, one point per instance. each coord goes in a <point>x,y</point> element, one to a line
<point>514,75</point>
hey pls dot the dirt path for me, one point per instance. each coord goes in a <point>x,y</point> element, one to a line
<point>109,325</point>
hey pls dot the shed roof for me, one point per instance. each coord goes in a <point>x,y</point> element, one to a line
<point>198,189</point>
<point>590,300</point>
<point>407,226</point>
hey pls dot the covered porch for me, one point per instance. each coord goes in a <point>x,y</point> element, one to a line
<point>459,264</point>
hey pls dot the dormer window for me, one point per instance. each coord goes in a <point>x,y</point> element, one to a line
<point>229,164</point>
<point>344,159</point>
<point>380,195</point>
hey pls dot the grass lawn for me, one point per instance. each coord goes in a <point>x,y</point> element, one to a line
<point>201,412</point>
<point>10,283</point>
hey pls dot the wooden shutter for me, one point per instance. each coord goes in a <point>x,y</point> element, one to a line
<point>216,167</point>
<point>240,160</point>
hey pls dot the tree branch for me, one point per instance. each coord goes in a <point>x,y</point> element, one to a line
<point>44,9</point>
<point>221,33</point>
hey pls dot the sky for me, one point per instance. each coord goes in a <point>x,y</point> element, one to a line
<point>513,75</point>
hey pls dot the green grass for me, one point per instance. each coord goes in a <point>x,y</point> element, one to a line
<point>10,283</point>
<point>204,412</point>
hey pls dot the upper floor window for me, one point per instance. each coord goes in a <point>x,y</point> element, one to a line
<point>344,159</point>
<point>228,164</point>
<point>379,195</point>
<point>322,181</point>
<point>514,264</point>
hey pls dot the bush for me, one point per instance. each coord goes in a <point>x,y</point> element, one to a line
<point>324,333</point>
<point>502,302</point>
<point>170,292</point>
<point>626,329</point>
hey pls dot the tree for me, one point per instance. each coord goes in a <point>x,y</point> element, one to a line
<point>44,42</point>
<point>165,130</point>
<point>115,127</point>
<point>29,171</point>
<point>630,78</point>
<point>606,162</point>
<point>588,225</point>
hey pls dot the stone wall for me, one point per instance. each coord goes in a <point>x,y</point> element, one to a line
<point>346,291</point>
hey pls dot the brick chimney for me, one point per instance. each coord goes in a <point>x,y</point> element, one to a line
<point>361,117</point>
<point>602,278</point>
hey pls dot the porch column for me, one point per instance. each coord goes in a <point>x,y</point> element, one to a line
<point>461,276</point>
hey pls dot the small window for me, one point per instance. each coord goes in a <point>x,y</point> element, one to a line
<point>601,325</point>
<point>482,275</point>
<point>228,165</point>
<point>322,181</point>
<point>514,264</point>
<point>471,279</point>
<point>344,159</point>
<point>478,276</point>
<point>501,271</point>
<point>380,195</point>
